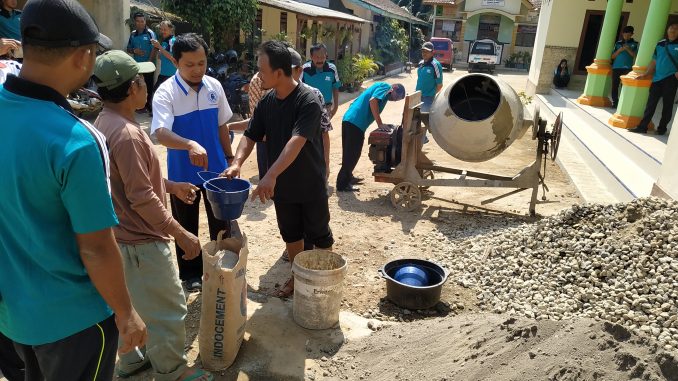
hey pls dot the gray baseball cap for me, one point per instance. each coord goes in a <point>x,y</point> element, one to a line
<point>295,57</point>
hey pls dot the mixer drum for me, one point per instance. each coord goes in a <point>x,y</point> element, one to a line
<point>477,117</point>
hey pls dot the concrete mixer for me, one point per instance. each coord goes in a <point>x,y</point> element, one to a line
<point>474,119</point>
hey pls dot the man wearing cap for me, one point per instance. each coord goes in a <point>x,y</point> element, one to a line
<point>140,46</point>
<point>146,226</point>
<point>624,53</point>
<point>190,116</point>
<point>61,274</point>
<point>359,116</point>
<point>289,116</point>
<point>10,20</point>
<point>429,79</point>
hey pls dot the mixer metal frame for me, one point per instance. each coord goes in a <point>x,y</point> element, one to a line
<point>415,172</point>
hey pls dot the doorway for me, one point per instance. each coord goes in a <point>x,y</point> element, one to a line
<point>590,35</point>
<point>488,26</point>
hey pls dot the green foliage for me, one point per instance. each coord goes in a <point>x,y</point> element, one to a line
<point>363,67</point>
<point>217,19</point>
<point>526,99</point>
<point>280,36</point>
<point>391,41</point>
<point>345,69</point>
<point>417,40</point>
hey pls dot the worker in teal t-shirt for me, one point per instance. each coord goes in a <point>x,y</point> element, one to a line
<point>624,54</point>
<point>663,69</point>
<point>140,46</point>
<point>429,80</point>
<point>362,112</point>
<point>10,20</point>
<point>165,49</point>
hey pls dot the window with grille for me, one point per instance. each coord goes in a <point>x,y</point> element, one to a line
<point>258,19</point>
<point>525,35</point>
<point>283,22</point>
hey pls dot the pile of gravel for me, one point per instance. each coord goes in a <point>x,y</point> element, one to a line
<point>613,262</point>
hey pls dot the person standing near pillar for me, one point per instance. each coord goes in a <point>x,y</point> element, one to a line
<point>625,51</point>
<point>663,70</point>
<point>141,49</point>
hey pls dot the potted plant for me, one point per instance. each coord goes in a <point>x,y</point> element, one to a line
<point>510,62</point>
<point>346,71</point>
<point>363,67</point>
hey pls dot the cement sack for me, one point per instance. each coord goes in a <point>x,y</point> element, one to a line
<point>224,300</point>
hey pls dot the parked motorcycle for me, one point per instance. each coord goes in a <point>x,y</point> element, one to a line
<point>85,102</point>
<point>223,67</point>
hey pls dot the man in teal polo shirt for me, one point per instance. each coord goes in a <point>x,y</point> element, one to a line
<point>429,79</point>
<point>359,116</point>
<point>140,46</point>
<point>323,76</point>
<point>10,18</point>
<point>624,54</point>
<point>664,73</point>
<point>60,268</point>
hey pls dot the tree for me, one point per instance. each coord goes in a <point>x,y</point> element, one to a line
<point>217,19</point>
<point>391,41</point>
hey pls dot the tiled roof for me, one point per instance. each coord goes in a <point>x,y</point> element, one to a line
<point>390,8</point>
<point>311,10</point>
<point>439,2</point>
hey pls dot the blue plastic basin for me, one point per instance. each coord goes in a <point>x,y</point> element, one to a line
<point>411,275</point>
<point>227,197</point>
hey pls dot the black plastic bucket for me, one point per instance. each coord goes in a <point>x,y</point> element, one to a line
<point>413,297</point>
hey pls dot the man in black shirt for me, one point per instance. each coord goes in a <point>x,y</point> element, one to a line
<point>289,117</point>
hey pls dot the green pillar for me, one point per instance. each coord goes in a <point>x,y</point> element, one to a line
<point>635,92</point>
<point>598,80</point>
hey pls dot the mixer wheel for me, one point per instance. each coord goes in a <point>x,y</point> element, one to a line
<point>406,197</point>
<point>427,174</point>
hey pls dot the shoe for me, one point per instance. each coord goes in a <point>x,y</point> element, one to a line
<point>349,188</point>
<point>639,130</point>
<point>356,180</point>
<point>661,131</point>
<point>194,285</point>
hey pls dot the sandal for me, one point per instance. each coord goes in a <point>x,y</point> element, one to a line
<point>285,256</point>
<point>199,373</point>
<point>286,291</point>
<point>123,374</point>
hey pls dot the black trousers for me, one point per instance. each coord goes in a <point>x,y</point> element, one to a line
<point>11,365</point>
<point>616,83</point>
<point>148,78</point>
<point>352,139</point>
<point>666,91</point>
<point>188,217</point>
<point>85,356</point>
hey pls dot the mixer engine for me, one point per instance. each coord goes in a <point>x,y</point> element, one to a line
<point>385,147</point>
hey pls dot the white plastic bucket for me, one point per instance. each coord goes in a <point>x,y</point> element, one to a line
<point>318,285</point>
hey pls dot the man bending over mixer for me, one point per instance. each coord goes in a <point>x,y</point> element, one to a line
<point>359,116</point>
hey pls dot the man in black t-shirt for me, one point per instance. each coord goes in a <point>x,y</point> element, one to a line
<point>289,117</point>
